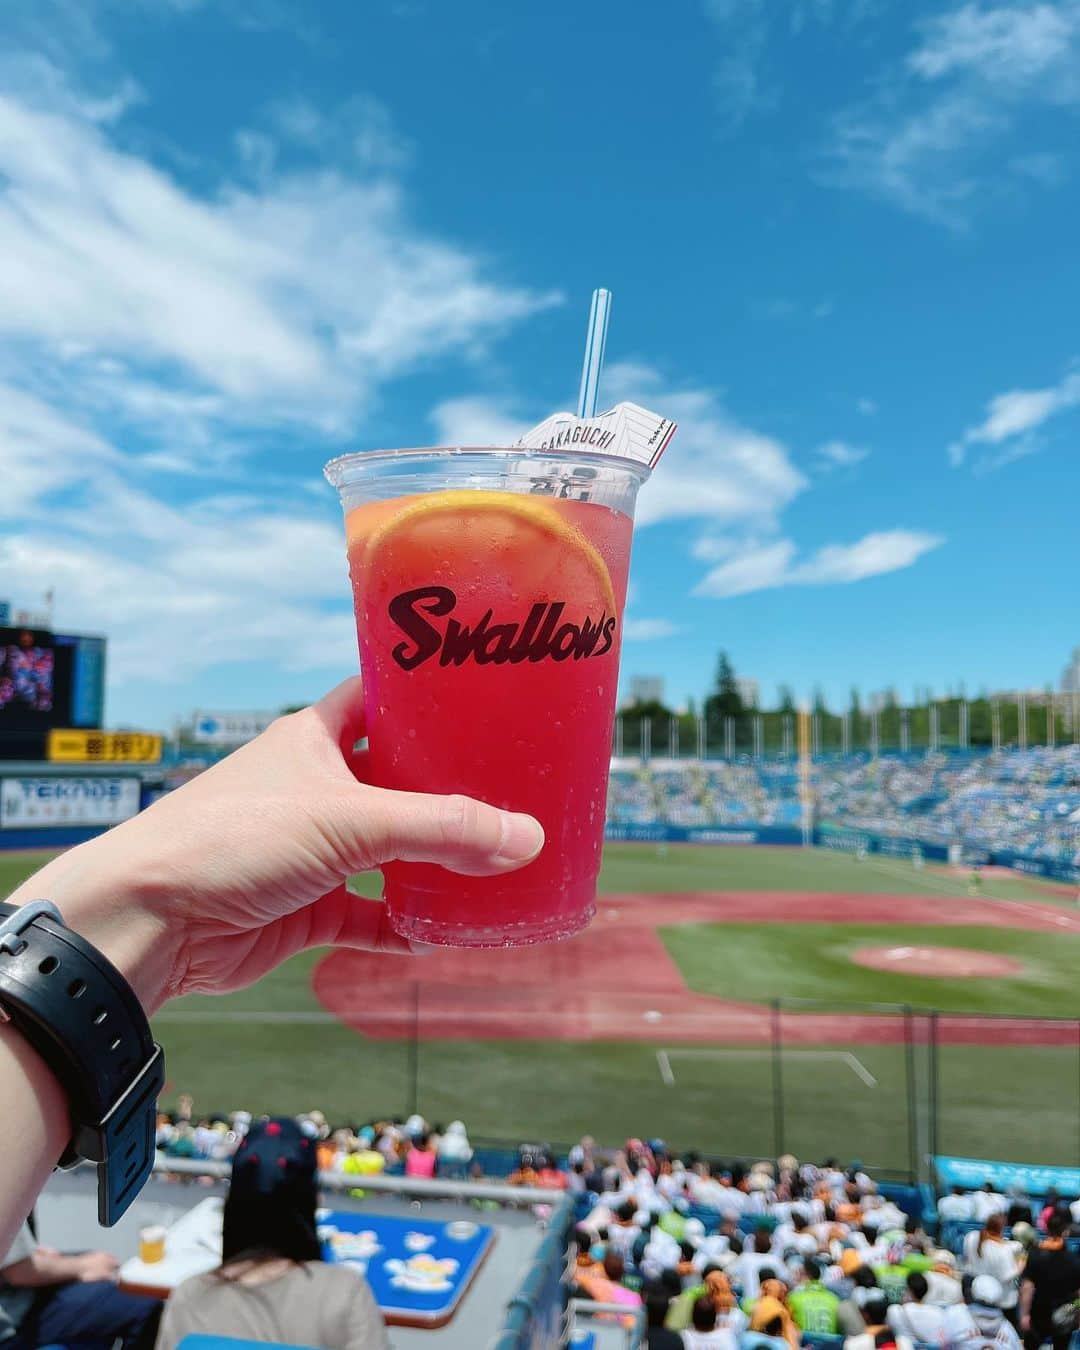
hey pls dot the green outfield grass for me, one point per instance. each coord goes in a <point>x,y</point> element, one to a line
<point>272,1047</point>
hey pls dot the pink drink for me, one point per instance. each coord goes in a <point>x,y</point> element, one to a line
<point>489,629</point>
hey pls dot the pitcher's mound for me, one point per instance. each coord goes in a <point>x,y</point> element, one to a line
<point>952,963</point>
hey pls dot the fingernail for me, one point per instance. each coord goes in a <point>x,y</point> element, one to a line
<point>522,838</point>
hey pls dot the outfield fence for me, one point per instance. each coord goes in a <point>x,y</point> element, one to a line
<point>888,1084</point>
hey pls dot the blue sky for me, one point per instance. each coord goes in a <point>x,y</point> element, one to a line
<point>237,238</point>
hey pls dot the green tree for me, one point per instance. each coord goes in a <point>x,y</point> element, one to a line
<point>725,700</point>
<point>787,699</point>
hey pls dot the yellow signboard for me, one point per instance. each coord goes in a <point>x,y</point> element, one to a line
<point>103,747</point>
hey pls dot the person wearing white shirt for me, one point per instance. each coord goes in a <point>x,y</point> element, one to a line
<point>874,1312</point>
<point>987,1253</point>
<point>915,1317</point>
<point>982,1325</point>
<point>987,1202</point>
<point>746,1269</point>
<point>957,1206</point>
<point>703,1332</point>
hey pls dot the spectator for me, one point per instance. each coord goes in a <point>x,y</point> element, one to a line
<point>360,1160</point>
<point>272,1284</point>
<point>657,1335</point>
<point>943,1287</point>
<point>957,1206</point>
<point>746,1269</point>
<point>48,1297</point>
<point>772,1311</point>
<point>876,1331</point>
<point>915,1317</point>
<point>812,1305</point>
<point>988,1253</point>
<point>982,1320</point>
<point>1051,1280</point>
<point>703,1333</point>
<point>728,1312</point>
<point>421,1158</point>
<point>770,1337</point>
<point>849,1315</point>
<point>988,1202</point>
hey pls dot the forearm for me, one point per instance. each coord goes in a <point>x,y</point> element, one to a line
<point>97,900</point>
<point>104,897</point>
<point>1027,1293</point>
<point>33,1110</point>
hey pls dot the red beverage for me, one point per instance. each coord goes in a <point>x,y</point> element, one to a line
<point>489,630</point>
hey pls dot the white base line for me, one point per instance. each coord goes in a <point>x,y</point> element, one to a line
<point>854,1063</point>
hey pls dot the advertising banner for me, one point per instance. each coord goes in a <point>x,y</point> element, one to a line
<point>703,834</point>
<point>229,728</point>
<point>46,802</point>
<point>1031,1178</point>
<point>103,747</point>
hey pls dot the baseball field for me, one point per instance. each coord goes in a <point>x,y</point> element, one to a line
<point>663,1019</point>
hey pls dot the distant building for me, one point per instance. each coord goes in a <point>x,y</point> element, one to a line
<point>1070,676</point>
<point>646,689</point>
<point>749,692</point>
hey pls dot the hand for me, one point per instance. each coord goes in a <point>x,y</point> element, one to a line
<point>244,866</point>
<point>1025,1322</point>
<point>96,1266</point>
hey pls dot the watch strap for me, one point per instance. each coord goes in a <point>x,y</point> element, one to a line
<point>83,1019</point>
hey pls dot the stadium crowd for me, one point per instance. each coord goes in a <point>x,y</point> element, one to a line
<point>1027,801</point>
<point>770,1256</point>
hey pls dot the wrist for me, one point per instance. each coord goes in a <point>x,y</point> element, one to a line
<point>113,909</point>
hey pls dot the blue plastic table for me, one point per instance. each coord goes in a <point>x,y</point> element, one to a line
<point>418,1269</point>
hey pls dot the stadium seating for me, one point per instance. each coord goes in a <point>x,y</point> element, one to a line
<point>1024,801</point>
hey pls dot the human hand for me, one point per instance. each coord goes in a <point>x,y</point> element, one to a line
<point>94,1266</point>
<point>244,866</point>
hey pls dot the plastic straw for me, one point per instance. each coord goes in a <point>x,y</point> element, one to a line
<point>595,343</point>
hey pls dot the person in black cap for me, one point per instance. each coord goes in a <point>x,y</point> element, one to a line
<point>272,1284</point>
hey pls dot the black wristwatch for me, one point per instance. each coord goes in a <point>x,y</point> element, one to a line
<point>83,1019</point>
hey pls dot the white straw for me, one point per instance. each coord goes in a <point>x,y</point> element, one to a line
<point>595,342</point>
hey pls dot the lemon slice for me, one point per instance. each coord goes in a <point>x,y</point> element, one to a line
<point>499,531</point>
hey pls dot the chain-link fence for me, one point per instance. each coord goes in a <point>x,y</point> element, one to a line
<point>885,1084</point>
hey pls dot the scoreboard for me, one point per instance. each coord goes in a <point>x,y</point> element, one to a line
<point>47,680</point>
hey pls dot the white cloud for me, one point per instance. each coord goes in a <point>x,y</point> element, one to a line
<point>765,566</point>
<point>648,630</point>
<point>717,468</point>
<point>947,128</point>
<point>477,420</point>
<point>153,333</point>
<point>914,159</point>
<point>1011,43</point>
<point>1013,416</point>
<point>756,569</point>
<point>839,455</point>
<point>874,554</point>
<point>291,299</point>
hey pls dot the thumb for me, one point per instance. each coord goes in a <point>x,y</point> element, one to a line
<point>457,832</point>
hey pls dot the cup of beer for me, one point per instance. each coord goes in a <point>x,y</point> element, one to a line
<point>489,587</point>
<point>152,1244</point>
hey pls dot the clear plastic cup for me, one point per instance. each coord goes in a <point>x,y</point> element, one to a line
<point>489,587</point>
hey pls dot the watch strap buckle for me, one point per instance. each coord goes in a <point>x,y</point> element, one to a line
<point>11,930</point>
<point>123,1144</point>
